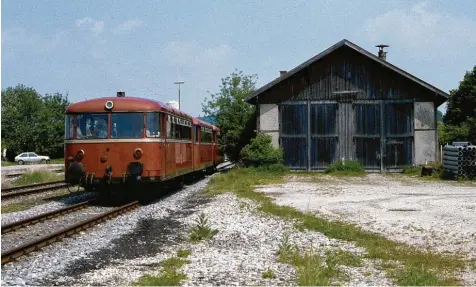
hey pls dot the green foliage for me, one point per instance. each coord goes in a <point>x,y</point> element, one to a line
<point>184,253</point>
<point>38,176</point>
<point>234,117</point>
<point>260,152</point>
<point>346,166</point>
<point>268,274</point>
<point>202,230</point>
<point>439,116</point>
<point>31,122</point>
<point>460,118</point>
<point>169,276</point>
<point>451,133</point>
<point>462,101</point>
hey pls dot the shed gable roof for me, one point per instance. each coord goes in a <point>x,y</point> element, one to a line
<point>353,46</point>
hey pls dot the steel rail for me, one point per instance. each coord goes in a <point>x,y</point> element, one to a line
<point>45,216</point>
<point>10,189</point>
<point>48,239</point>
<point>32,189</point>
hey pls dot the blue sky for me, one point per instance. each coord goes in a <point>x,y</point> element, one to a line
<point>95,48</point>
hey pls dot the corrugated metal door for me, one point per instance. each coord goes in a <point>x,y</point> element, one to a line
<point>346,132</point>
<point>324,134</point>
<point>294,134</point>
<point>398,135</point>
<point>367,134</point>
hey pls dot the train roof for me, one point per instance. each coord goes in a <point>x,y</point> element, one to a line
<point>123,104</point>
<point>131,104</point>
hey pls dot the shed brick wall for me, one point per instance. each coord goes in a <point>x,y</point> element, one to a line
<point>268,121</point>
<point>425,132</point>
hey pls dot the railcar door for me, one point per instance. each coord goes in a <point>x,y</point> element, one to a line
<point>170,167</point>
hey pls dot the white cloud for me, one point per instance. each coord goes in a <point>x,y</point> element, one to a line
<point>187,54</point>
<point>422,33</point>
<point>95,27</point>
<point>129,25</point>
<point>17,38</point>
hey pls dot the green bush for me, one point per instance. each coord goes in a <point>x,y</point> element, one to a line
<point>345,166</point>
<point>260,152</point>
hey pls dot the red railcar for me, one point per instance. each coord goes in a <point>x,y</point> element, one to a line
<point>124,139</point>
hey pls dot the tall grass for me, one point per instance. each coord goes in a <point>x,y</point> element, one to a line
<point>37,176</point>
<point>346,167</point>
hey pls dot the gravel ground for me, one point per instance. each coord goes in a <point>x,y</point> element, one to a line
<point>120,251</point>
<point>141,233</point>
<point>438,215</point>
<point>63,200</point>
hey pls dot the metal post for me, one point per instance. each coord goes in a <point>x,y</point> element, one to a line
<point>178,83</point>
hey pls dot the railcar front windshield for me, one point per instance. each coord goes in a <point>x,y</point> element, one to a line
<point>91,126</point>
<point>127,125</point>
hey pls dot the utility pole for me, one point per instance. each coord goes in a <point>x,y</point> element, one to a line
<point>178,83</point>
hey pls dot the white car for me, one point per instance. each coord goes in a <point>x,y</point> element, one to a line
<point>31,157</point>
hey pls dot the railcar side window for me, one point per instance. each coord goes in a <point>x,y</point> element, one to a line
<point>178,128</point>
<point>205,135</point>
<point>68,127</point>
<point>153,125</point>
<point>127,125</point>
<point>91,126</point>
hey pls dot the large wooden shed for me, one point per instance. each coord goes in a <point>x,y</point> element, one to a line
<point>349,104</point>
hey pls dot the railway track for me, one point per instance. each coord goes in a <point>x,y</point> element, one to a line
<point>37,244</point>
<point>32,188</point>
<point>7,228</point>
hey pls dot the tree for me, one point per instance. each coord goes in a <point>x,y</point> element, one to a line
<point>234,117</point>
<point>460,118</point>
<point>462,101</point>
<point>439,115</point>
<point>31,122</point>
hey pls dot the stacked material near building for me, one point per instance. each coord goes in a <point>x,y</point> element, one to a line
<point>459,159</point>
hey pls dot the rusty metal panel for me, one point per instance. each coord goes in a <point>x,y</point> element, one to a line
<point>294,134</point>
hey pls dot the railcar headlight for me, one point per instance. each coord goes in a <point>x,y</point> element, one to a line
<point>137,153</point>
<point>103,158</point>
<point>80,154</point>
<point>109,105</point>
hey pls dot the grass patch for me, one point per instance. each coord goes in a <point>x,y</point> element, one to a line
<point>37,176</point>
<point>57,161</point>
<point>268,274</point>
<point>311,268</point>
<point>346,168</point>
<point>342,257</point>
<point>170,275</point>
<point>418,264</point>
<point>8,163</point>
<point>183,253</point>
<point>202,230</point>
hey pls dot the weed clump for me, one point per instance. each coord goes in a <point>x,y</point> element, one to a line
<point>170,275</point>
<point>184,253</point>
<point>346,166</point>
<point>202,230</point>
<point>268,274</point>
